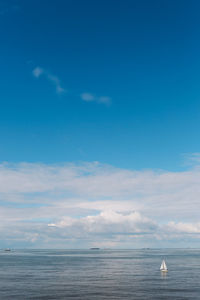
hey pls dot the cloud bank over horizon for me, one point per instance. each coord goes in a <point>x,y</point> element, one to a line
<point>87,204</point>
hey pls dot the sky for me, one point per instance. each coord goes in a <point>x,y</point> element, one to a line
<point>99,123</point>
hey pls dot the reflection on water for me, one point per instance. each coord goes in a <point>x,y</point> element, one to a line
<point>105,274</point>
<point>163,274</point>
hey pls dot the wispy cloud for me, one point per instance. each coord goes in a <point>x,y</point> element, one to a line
<point>88,97</point>
<point>38,72</point>
<point>94,202</point>
<point>191,159</point>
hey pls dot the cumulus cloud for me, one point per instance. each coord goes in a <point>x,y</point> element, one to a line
<point>38,71</point>
<point>79,200</point>
<point>88,97</point>
<point>181,227</point>
<point>108,222</point>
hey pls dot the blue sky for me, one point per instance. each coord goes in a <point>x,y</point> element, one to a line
<point>144,56</point>
<point>113,82</point>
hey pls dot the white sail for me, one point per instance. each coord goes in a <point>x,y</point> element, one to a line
<point>163,266</point>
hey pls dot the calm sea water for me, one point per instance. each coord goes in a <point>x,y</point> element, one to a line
<point>99,274</point>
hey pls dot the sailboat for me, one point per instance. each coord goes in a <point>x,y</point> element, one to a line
<point>163,266</point>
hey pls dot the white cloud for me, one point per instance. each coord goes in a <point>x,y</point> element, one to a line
<point>180,227</point>
<point>108,222</point>
<point>84,199</point>
<point>88,97</point>
<point>56,82</point>
<point>38,71</point>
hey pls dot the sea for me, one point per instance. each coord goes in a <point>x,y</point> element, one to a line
<point>99,274</point>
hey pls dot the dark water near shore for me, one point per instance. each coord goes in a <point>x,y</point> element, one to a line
<point>99,274</point>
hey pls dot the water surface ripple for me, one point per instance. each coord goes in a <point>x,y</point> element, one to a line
<point>99,274</point>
